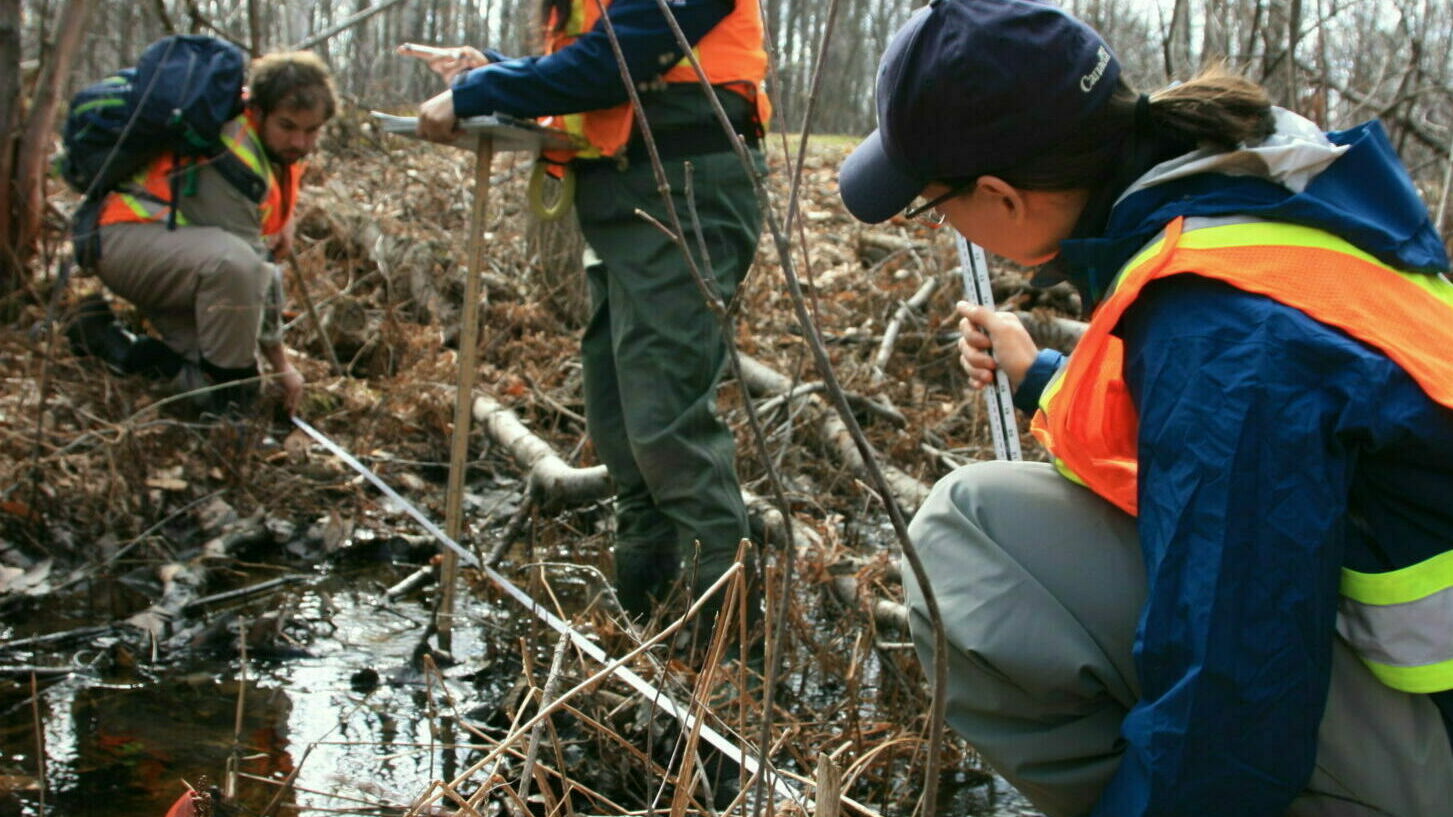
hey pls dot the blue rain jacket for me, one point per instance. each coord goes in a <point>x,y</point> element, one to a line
<point>1274,451</point>
<point>584,75</point>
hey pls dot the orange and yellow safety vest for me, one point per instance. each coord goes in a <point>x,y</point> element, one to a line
<point>731,56</point>
<point>148,196</point>
<point>1397,619</point>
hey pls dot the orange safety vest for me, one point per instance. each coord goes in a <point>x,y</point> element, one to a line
<point>731,56</point>
<point>1395,619</point>
<point>1086,418</point>
<point>148,196</point>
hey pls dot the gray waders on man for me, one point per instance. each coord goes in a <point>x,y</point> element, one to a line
<point>211,294</point>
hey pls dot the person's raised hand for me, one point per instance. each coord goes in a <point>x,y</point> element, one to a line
<point>449,62</point>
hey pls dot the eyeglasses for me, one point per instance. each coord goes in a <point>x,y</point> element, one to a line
<point>922,212</point>
<point>926,212</point>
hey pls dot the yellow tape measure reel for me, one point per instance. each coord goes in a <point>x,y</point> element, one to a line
<point>565,194</point>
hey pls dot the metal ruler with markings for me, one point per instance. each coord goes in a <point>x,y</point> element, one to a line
<point>999,398</point>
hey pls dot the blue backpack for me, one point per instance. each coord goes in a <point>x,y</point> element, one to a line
<point>182,91</point>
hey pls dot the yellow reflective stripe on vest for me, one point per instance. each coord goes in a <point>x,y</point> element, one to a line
<point>243,144</point>
<point>1421,680</point>
<point>147,208</point>
<point>1405,586</point>
<point>574,124</point>
<point>1045,396</point>
<point>685,62</point>
<point>576,25</point>
<point>1437,286</point>
<point>140,207</point>
<point>1262,233</point>
<point>1401,623</point>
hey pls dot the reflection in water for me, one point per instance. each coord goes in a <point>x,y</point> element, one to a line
<point>135,747</point>
<point>366,734</point>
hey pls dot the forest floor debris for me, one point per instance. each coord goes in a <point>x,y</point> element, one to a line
<point>103,480</point>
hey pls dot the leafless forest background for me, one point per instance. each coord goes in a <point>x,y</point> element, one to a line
<point>100,480</point>
<point>1337,61</point>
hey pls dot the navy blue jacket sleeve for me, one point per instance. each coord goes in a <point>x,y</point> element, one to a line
<point>584,75</point>
<point>1046,363</point>
<point>1251,415</point>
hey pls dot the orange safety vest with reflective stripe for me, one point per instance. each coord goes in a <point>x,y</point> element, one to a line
<point>148,196</point>
<point>731,55</point>
<point>1397,620</point>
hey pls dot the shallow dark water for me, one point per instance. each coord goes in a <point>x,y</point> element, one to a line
<point>123,743</point>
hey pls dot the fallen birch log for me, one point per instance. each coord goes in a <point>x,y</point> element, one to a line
<point>773,524</point>
<point>555,484</point>
<point>551,481</point>
<point>875,246</point>
<point>833,436</point>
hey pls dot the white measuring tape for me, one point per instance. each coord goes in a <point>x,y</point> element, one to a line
<point>641,685</point>
<point>999,399</point>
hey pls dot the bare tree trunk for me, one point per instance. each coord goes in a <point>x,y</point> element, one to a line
<point>254,29</point>
<point>29,174</point>
<point>361,64</point>
<point>1247,47</point>
<point>129,24</point>
<point>161,14</point>
<point>1214,32</point>
<point>794,75</point>
<point>329,28</point>
<point>1294,38</point>
<point>1277,42</point>
<point>1177,45</point>
<point>9,118</point>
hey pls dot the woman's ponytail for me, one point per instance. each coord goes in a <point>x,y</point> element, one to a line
<point>1216,107</point>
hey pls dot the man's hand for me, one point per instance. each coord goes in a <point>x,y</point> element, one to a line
<point>448,63</point>
<point>981,328</point>
<point>437,121</point>
<point>287,378</point>
<point>291,383</point>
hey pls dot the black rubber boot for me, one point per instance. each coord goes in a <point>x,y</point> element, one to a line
<point>239,392</point>
<point>644,577</point>
<point>94,331</point>
<point>723,776</point>
<point>152,358</point>
<point>697,638</point>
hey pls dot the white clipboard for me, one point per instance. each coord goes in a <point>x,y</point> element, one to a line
<point>507,132</point>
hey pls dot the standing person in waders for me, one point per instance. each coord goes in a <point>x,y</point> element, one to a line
<point>653,352</point>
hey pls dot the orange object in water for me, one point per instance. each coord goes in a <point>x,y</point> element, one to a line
<point>183,806</point>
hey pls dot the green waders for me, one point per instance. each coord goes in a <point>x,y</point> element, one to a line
<point>653,354</point>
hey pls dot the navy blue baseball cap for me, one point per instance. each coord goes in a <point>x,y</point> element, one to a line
<point>971,87</point>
